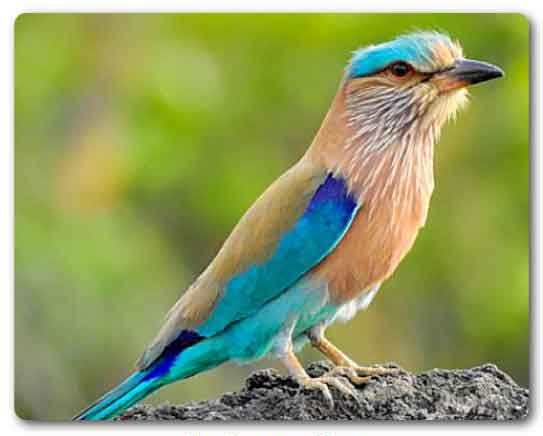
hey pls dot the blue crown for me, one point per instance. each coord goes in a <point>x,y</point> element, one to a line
<point>414,48</point>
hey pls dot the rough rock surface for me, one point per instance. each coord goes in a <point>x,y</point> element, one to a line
<point>480,393</point>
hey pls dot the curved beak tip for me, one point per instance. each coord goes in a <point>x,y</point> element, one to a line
<point>496,72</point>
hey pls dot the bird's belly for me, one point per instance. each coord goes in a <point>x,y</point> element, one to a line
<point>348,310</point>
<point>377,241</point>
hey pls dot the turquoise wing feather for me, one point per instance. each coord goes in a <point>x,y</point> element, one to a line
<point>315,234</point>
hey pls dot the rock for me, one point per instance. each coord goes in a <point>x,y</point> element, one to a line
<point>480,393</point>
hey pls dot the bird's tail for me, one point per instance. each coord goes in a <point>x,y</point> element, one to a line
<point>175,363</point>
<point>120,398</point>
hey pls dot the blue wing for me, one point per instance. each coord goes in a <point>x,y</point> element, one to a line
<point>295,224</point>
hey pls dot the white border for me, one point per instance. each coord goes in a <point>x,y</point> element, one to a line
<point>9,11</point>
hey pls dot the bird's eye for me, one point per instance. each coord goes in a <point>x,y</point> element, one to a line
<point>400,69</point>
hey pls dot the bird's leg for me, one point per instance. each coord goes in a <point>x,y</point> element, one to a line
<point>296,370</point>
<point>344,365</point>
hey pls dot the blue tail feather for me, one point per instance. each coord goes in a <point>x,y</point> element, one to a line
<point>126,390</point>
<point>141,383</point>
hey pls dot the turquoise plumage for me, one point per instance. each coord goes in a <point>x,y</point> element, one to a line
<point>318,243</point>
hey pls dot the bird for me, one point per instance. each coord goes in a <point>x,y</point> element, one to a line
<point>316,246</point>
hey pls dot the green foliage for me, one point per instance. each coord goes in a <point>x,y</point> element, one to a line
<point>141,139</point>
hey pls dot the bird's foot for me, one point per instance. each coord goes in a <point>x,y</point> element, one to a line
<point>322,383</point>
<point>359,375</point>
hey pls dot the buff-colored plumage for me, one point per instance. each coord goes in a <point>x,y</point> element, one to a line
<point>386,227</point>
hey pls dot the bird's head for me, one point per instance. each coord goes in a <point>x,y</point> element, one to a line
<point>410,85</point>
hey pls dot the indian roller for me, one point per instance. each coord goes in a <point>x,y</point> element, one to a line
<point>316,246</point>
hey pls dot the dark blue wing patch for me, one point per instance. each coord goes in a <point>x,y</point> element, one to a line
<point>184,340</point>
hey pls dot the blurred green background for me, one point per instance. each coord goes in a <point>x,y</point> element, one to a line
<point>141,139</point>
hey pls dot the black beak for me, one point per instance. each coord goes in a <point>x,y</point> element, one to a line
<point>470,72</point>
<point>465,72</point>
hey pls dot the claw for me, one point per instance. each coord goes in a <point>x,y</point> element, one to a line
<point>341,386</point>
<point>350,373</point>
<point>322,384</point>
<point>312,384</point>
